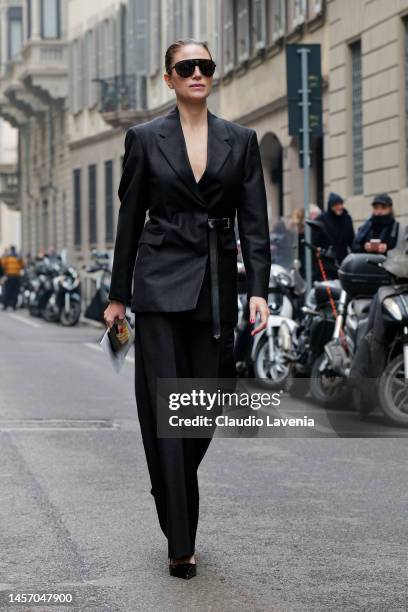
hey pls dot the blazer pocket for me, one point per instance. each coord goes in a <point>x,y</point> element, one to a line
<point>228,240</point>
<point>155,238</point>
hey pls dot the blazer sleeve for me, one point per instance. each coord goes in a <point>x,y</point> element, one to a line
<point>131,218</point>
<point>252,217</point>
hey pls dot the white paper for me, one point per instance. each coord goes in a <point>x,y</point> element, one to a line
<point>118,358</point>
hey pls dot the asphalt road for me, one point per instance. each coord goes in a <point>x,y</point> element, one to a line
<point>286,524</point>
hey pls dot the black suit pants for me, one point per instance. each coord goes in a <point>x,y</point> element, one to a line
<point>175,345</point>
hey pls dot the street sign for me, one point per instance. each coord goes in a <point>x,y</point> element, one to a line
<point>294,86</point>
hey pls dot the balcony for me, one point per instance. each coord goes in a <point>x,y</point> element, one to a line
<point>32,79</point>
<point>9,185</point>
<point>44,69</point>
<point>122,98</point>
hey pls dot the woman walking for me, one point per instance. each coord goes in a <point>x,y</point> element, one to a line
<point>193,172</point>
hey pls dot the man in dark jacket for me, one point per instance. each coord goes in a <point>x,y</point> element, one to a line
<point>338,231</point>
<point>379,233</point>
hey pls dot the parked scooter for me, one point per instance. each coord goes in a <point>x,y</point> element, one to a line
<point>64,302</point>
<point>286,290</point>
<point>100,269</point>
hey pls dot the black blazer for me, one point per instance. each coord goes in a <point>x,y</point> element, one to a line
<point>172,246</point>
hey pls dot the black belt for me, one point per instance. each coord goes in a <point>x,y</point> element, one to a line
<point>214,224</point>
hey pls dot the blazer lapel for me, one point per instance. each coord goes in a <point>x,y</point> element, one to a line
<point>172,144</point>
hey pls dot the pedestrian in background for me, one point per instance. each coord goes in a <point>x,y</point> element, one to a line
<point>338,231</point>
<point>12,266</point>
<point>379,233</point>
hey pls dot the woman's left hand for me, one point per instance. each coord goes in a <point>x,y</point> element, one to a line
<point>258,304</point>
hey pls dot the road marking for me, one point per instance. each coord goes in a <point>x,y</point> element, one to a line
<point>97,347</point>
<point>24,320</point>
<point>90,322</point>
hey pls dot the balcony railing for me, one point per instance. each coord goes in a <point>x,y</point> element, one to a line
<point>126,92</point>
<point>9,186</point>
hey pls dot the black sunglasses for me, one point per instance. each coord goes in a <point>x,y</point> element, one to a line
<point>185,68</point>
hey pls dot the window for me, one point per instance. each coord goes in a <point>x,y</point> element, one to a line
<point>50,19</point>
<point>92,203</point>
<point>357,117</point>
<point>259,23</point>
<point>15,30</point>
<point>109,201</point>
<point>77,207</point>
<point>276,19</point>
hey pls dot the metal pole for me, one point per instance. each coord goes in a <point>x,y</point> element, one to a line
<point>306,158</point>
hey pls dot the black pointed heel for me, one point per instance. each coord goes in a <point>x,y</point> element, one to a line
<point>183,570</point>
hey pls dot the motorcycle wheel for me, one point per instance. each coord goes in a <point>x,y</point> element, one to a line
<point>270,374</point>
<point>72,317</point>
<point>329,391</point>
<point>393,392</point>
<point>48,314</point>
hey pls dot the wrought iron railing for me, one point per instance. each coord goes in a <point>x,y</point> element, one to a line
<point>122,93</point>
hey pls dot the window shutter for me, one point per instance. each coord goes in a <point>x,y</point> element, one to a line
<point>299,12</point>
<point>277,19</point>
<point>259,23</point>
<point>117,42</point>
<point>71,79</point>
<point>243,30</point>
<point>141,56</point>
<point>111,47</point>
<point>187,18</point>
<point>228,42</point>
<point>93,72</point>
<point>178,19</point>
<point>214,34</point>
<point>86,74</point>
<point>203,19</point>
<point>155,48</point>
<point>170,22</point>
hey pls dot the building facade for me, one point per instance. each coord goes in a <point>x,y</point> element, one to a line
<point>75,75</point>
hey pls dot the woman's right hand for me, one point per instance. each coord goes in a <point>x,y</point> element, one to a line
<point>115,311</point>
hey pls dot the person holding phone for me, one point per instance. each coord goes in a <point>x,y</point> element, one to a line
<point>379,233</point>
<point>193,173</point>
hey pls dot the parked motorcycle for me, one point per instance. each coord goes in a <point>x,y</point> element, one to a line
<point>40,286</point>
<point>316,327</point>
